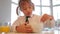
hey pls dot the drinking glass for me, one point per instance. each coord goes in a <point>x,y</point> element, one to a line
<point>48,28</point>
<point>5,27</point>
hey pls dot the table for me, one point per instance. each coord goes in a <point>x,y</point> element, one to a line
<point>30,33</point>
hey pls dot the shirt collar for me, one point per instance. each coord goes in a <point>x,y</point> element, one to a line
<point>30,16</point>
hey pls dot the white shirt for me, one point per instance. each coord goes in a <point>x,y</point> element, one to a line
<point>34,21</point>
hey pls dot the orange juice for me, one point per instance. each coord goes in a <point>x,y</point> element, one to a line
<point>0,29</point>
<point>4,29</point>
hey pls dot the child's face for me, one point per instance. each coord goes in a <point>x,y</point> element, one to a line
<point>26,9</point>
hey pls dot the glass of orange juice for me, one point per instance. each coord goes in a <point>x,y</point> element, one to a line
<point>5,27</point>
<point>0,26</point>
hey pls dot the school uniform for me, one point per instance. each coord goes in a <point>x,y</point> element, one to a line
<point>34,21</point>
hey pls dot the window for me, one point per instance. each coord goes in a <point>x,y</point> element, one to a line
<point>46,10</point>
<point>56,12</point>
<point>37,7</point>
<point>46,2</point>
<point>36,2</point>
<point>55,2</point>
<point>45,7</point>
<point>37,10</point>
<point>13,11</point>
<point>15,1</point>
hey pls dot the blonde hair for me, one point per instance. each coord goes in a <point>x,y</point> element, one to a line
<point>21,2</point>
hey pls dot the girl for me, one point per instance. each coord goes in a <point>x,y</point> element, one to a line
<point>27,23</point>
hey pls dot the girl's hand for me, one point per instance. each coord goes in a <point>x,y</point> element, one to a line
<point>24,28</point>
<point>46,17</point>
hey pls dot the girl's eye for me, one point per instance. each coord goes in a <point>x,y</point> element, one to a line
<point>24,8</point>
<point>29,7</point>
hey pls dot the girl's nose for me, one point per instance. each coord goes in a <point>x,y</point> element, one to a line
<point>27,9</point>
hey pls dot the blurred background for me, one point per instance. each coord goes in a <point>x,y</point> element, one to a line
<point>8,10</point>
